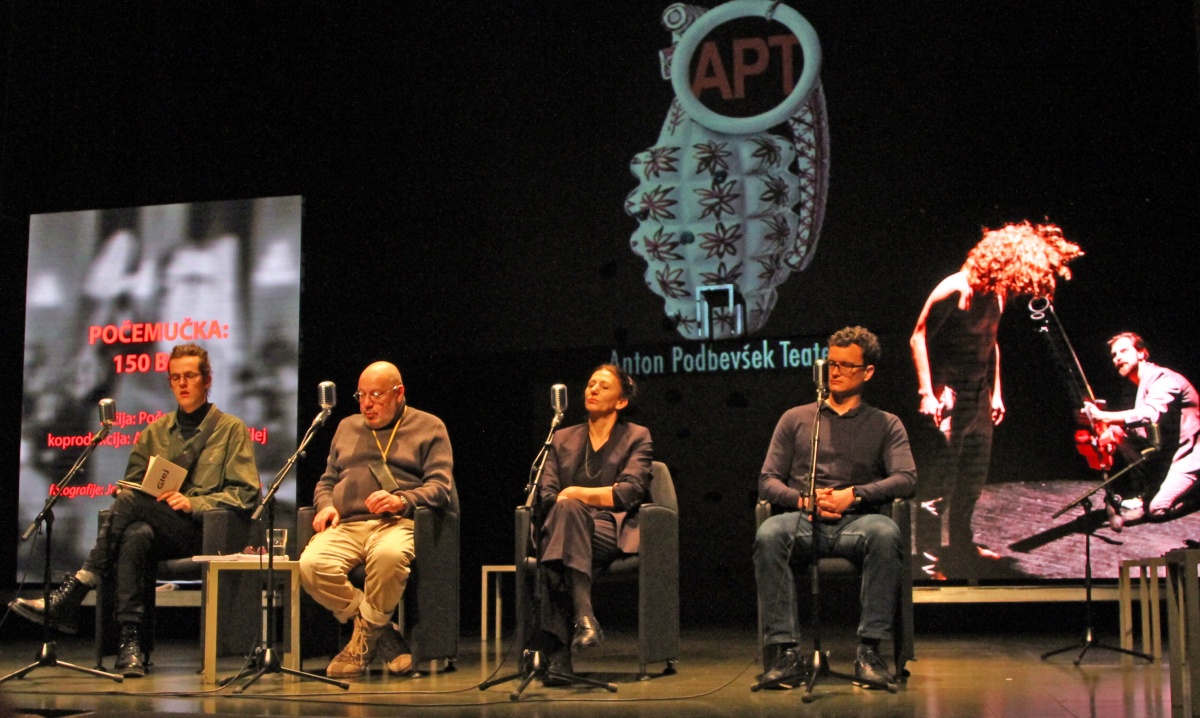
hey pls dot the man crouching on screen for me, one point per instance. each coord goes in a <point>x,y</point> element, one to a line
<point>139,529</point>
<point>384,462</point>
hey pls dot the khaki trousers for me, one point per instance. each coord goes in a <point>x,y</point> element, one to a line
<point>384,546</point>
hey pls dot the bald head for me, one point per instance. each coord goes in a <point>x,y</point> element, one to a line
<point>384,370</point>
<point>380,389</point>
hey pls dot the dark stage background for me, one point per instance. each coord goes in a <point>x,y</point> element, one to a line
<point>465,166</point>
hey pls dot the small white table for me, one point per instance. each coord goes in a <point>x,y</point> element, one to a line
<point>287,580</point>
<point>487,571</point>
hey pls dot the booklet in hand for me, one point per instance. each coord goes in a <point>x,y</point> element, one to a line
<point>161,475</point>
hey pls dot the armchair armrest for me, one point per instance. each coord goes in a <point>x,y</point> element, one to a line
<point>304,529</point>
<point>226,531</point>
<point>658,580</point>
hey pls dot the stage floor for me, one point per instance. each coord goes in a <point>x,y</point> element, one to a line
<point>955,675</point>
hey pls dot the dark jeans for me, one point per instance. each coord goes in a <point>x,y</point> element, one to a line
<point>136,533</point>
<point>870,541</point>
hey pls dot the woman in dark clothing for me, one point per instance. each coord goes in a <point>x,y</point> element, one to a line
<point>596,476</point>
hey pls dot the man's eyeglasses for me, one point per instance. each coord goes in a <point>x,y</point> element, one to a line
<point>360,396</point>
<point>844,367</point>
<point>187,378</point>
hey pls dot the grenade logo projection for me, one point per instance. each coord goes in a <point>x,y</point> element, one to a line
<point>730,199</point>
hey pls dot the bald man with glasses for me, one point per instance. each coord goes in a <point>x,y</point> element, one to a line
<point>383,463</point>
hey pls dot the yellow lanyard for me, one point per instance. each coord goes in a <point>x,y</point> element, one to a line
<point>384,452</point>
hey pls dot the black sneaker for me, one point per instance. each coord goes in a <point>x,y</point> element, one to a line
<point>870,670</point>
<point>787,669</point>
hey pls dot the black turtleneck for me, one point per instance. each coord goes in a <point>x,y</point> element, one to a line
<point>189,424</point>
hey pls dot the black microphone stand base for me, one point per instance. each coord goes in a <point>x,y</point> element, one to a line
<point>47,657</point>
<point>536,666</point>
<point>1088,643</point>
<point>266,661</point>
<point>820,669</point>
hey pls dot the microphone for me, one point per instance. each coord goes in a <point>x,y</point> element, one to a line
<point>327,398</point>
<point>108,412</point>
<point>821,378</point>
<point>327,395</point>
<point>558,402</point>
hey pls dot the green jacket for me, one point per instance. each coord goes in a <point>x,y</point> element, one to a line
<point>225,474</point>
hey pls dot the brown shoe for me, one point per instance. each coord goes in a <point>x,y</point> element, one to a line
<point>355,658</point>
<point>392,649</point>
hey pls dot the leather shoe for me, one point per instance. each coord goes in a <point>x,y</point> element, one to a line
<point>786,668</point>
<point>131,659</point>
<point>870,670</point>
<point>587,633</point>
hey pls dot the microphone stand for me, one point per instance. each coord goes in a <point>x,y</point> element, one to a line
<point>47,656</point>
<point>1089,642</point>
<point>265,657</point>
<point>534,662</point>
<point>820,658</point>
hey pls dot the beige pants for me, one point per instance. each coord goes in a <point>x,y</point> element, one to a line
<point>384,546</point>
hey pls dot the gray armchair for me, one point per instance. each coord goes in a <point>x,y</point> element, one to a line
<point>655,569</point>
<point>902,630</point>
<point>431,605</point>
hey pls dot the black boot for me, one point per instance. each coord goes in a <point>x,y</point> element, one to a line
<point>64,605</point>
<point>131,659</point>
